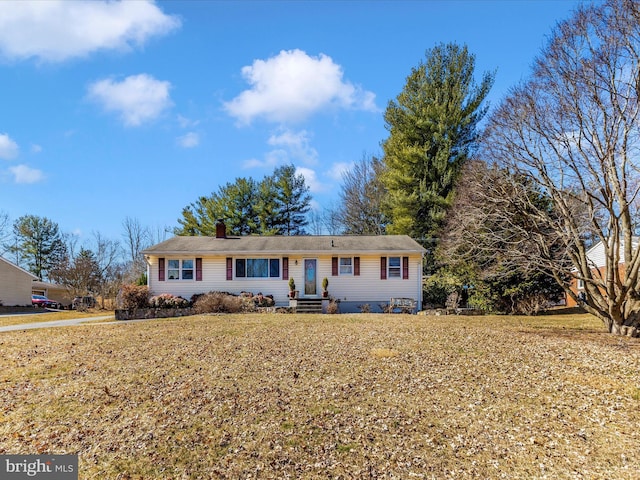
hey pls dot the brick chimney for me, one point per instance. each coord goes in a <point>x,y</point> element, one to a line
<point>221,229</point>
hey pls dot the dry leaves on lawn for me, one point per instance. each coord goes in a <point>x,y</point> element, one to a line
<point>343,397</point>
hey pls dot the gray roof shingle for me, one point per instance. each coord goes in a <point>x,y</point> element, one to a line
<point>319,244</point>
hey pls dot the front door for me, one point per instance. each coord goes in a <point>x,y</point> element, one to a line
<point>310,287</point>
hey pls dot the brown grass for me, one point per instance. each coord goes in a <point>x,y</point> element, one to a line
<point>344,397</point>
<point>50,316</point>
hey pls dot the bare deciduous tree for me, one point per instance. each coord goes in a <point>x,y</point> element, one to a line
<point>107,256</point>
<point>332,220</point>
<point>136,239</point>
<point>316,222</point>
<point>5,232</point>
<point>572,132</point>
<point>362,194</point>
<point>80,273</point>
<point>491,237</point>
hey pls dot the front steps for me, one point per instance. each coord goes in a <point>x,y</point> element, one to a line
<point>306,305</point>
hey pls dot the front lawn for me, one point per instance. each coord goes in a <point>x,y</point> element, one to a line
<point>327,396</point>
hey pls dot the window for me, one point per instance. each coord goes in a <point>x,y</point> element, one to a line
<point>257,268</point>
<point>180,269</point>
<point>580,284</point>
<point>346,266</point>
<point>395,267</point>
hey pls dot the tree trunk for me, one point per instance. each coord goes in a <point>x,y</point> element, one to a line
<point>629,327</point>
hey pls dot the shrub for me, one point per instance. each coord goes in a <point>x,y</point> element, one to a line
<point>365,308</point>
<point>134,296</point>
<point>166,300</point>
<point>261,300</point>
<point>437,288</point>
<point>142,280</point>
<point>333,307</point>
<point>218,302</point>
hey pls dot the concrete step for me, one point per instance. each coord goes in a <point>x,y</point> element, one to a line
<point>308,305</point>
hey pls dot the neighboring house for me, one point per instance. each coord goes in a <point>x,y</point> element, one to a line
<point>597,258</point>
<point>360,269</point>
<point>52,291</point>
<point>15,284</point>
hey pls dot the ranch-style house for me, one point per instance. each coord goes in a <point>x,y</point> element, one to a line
<point>360,269</point>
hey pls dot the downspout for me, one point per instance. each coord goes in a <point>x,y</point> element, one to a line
<point>419,276</point>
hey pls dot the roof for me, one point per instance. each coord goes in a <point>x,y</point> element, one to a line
<point>278,244</point>
<point>40,284</point>
<point>34,277</point>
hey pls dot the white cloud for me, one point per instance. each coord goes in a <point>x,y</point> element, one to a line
<point>338,169</point>
<point>253,163</point>
<point>311,179</point>
<point>25,174</point>
<point>8,148</point>
<point>185,122</point>
<point>291,147</point>
<point>57,30</point>
<point>296,144</point>
<point>138,98</point>
<point>35,148</point>
<point>189,140</point>
<point>292,86</point>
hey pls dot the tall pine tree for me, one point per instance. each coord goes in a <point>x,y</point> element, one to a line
<point>277,205</point>
<point>292,201</point>
<point>39,245</point>
<point>432,130</point>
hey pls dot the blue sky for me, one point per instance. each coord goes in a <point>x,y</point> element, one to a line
<point>137,109</point>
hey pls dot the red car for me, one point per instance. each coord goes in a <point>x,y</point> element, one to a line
<point>44,302</point>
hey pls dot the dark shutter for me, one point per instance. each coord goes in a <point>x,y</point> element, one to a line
<point>383,268</point>
<point>334,266</point>
<point>285,268</point>
<point>229,268</point>
<point>161,269</point>
<point>274,268</point>
<point>198,269</point>
<point>405,268</point>
<point>356,266</point>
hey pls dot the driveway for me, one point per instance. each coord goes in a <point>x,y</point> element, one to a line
<point>54,323</point>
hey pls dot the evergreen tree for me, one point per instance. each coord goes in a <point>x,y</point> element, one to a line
<point>234,202</point>
<point>292,201</point>
<point>277,205</point>
<point>432,131</point>
<point>39,245</point>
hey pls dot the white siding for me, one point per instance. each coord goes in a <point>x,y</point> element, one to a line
<point>15,285</point>
<point>214,279</point>
<point>366,287</point>
<point>596,254</point>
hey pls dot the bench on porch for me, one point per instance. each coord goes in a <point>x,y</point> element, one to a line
<point>402,305</point>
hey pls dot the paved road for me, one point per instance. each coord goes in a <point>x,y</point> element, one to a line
<point>54,323</point>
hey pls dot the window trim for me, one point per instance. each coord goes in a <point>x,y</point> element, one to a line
<point>393,268</point>
<point>340,266</point>
<point>270,263</point>
<point>181,269</point>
